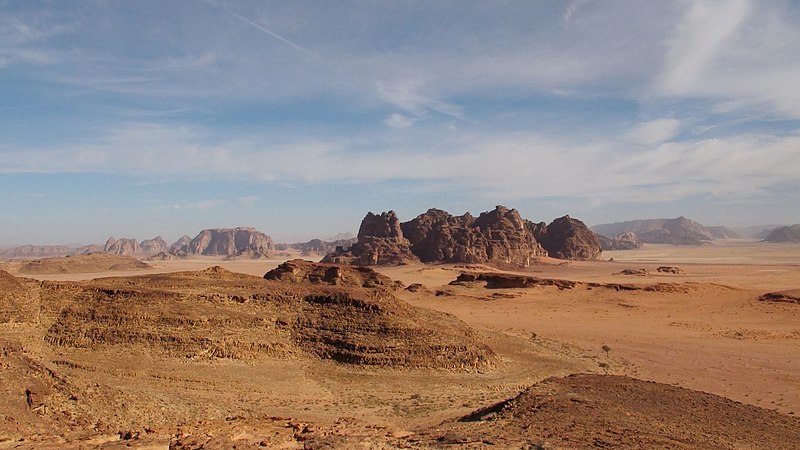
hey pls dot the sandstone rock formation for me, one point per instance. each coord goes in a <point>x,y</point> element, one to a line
<point>181,246</point>
<point>231,242</point>
<point>785,234</point>
<point>500,236</point>
<point>301,271</point>
<point>622,241</point>
<point>150,247</point>
<point>122,246</point>
<point>215,313</point>
<point>678,231</point>
<point>380,242</point>
<point>568,238</point>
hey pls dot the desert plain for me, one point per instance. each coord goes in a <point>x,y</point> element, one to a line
<point>703,327</point>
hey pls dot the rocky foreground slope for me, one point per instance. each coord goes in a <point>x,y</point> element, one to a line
<point>498,236</point>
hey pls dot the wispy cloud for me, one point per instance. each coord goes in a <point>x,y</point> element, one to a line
<point>200,205</point>
<point>519,165</point>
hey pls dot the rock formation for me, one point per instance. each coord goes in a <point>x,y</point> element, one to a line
<point>678,231</point>
<point>301,271</point>
<point>181,246</point>
<point>622,241</point>
<point>150,247</point>
<point>231,242</point>
<point>785,234</point>
<point>318,246</point>
<point>500,236</point>
<point>568,238</point>
<point>122,246</point>
<point>380,242</point>
<point>214,313</point>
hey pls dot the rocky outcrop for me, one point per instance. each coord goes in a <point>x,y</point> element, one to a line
<point>231,242</point>
<point>622,241</point>
<point>785,234</point>
<point>150,247</point>
<point>122,246</point>
<point>678,231</point>
<point>307,272</point>
<point>568,238</point>
<point>500,236</point>
<point>380,242</point>
<point>181,246</point>
<point>215,313</point>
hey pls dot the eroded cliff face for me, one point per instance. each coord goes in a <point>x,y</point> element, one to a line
<point>231,242</point>
<point>497,236</point>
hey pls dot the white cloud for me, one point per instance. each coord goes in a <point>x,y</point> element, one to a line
<point>699,37</point>
<point>399,121</point>
<point>200,205</point>
<point>654,132</point>
<point>507,165</point>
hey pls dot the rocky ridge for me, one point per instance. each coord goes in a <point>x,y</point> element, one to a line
<point>500,236</point>
<point>678,231</point>
<point>230,242</point>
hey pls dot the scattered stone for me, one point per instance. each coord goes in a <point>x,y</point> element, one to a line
<point>636,272</point>
<point>782,297</point>
<point>670,269</point>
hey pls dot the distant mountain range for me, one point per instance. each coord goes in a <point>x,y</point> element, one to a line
<point>227,242</point>
<point>785,234</point>
<point>678,231</point>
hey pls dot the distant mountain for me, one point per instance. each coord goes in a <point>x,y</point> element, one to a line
<point>320,247</point>
<point>720,232</point>
<point>622,241</point>
<point>340,237</point>
<point>678,231</point>
<point>231,243</point>
<point>758,231</point>
<point>36,251</point>
<point>785,234</point>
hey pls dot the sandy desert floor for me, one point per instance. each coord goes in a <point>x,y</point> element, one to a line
<point>705,330</point>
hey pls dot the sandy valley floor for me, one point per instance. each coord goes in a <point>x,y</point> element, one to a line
<point>704,329</point>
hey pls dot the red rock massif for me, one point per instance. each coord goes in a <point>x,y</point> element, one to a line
<point>500,236</point>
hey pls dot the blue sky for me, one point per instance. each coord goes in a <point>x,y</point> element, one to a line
<point>139,118</point>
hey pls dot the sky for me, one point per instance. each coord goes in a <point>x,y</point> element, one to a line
<point>144,118</point>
